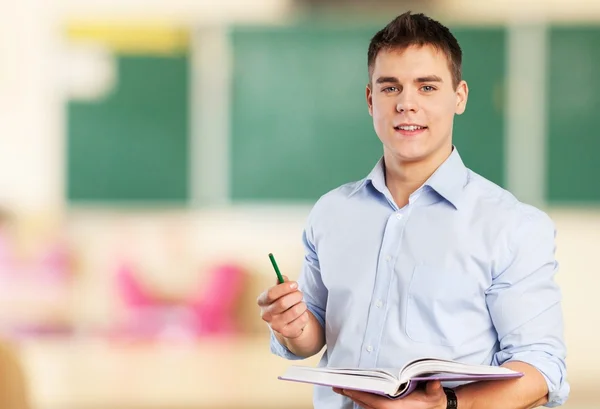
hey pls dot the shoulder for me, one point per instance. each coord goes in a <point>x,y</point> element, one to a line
<point>331,205</point>
<point>508,214</point>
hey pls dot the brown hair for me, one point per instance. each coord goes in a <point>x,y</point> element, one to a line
<point>417,30</point>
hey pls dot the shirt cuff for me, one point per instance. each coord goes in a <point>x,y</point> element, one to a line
<point>281,350</point>
<point>552,369</point>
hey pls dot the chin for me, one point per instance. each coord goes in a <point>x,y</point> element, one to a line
<point>410,153</point>
<point>411,158</point>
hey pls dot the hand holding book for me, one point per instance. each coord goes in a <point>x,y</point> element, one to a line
<point>397,383</point>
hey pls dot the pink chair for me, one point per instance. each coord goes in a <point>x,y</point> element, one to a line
<point>131,291</point>
<point>215,304</point>
<point>209,311</point>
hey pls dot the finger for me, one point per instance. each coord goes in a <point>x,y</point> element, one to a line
<point>290,316</point>
<point>363,404</point>
<point>367,400</point>
<point>348,393</point>
<point>281,312</point>
<point>294,328</point>
<point>269,296</point>
<point>285,303</point>
<point>433,388</point>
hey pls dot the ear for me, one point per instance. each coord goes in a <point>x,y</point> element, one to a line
<point>369,94</point>
<point>462,94</point>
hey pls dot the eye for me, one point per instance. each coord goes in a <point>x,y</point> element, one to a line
<point>390,89</point>
<point>427,88</point>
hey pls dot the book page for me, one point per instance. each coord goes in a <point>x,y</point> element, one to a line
<point>381,373</point>
<point>422,367</point>
<point>360,382</point>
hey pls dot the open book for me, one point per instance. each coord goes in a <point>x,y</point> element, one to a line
<point>397,383</point>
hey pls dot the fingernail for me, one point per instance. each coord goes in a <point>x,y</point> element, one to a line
<point>293,285</point>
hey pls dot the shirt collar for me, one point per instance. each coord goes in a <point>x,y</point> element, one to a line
<point>376,177</point>
<point>448,180</point>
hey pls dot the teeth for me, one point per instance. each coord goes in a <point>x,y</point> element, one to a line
<point>410,128</point>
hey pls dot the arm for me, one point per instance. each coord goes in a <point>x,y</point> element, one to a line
<point>527,392</point>
<point>312,339</point>
<point>524,303</point>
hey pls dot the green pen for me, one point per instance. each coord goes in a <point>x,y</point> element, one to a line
<point>279,277</point>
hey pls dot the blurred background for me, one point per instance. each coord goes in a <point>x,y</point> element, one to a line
<point>153,153</point>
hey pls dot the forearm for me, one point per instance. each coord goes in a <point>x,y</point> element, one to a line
<point>309,343</point>
<point>527,392</point>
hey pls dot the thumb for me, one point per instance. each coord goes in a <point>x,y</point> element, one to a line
<point>433,387</point>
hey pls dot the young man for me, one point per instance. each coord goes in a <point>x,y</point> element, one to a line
<point>424,257</point>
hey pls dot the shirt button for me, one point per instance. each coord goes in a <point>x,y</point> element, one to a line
<point>399,216</point>
<point>370,348</point>
<point>388,258</point>
<point>378,304</point>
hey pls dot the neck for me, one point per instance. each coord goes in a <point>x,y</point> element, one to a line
<point>402,178</point>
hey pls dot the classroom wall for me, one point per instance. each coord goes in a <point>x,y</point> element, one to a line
<point>31,114</point>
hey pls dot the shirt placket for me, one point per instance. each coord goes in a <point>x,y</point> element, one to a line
<point>379,300</point>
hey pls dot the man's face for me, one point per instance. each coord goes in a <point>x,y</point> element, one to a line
<point>413,102</point>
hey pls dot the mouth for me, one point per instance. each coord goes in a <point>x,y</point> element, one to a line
<point>409,129</point>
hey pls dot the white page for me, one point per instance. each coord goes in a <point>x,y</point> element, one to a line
<point>389,374</point>
<point>304,374</point>
<point>441,366</point>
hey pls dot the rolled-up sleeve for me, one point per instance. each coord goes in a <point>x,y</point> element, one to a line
<point>525,305</point>
<point>312,287</point>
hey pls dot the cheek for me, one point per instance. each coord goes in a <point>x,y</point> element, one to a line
<point>439,111</point>
<point>382,109</point>
<point>381,121</point>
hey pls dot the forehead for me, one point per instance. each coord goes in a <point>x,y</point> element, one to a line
<point>412,62</point>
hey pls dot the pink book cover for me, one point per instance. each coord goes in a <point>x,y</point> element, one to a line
<point>408,387</point>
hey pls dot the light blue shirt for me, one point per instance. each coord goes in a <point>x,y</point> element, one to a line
<point>464,271</point>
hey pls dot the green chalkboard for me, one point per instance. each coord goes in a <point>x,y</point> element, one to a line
<point>573,101</point>
<point>300,125</point>
<point>300,122</point>
<point>132,145</point>
<point>479,132</point>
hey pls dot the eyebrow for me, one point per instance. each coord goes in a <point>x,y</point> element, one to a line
<point>429,78</point>
<point>384,80</point>
<point>394,80</point>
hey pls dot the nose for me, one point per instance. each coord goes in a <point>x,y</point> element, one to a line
<point>406,103</point>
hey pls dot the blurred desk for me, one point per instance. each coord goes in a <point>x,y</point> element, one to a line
<point>213,373</point>
<point>223,373</point>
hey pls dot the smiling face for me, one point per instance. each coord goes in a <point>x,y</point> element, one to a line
<point>413,99</point>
